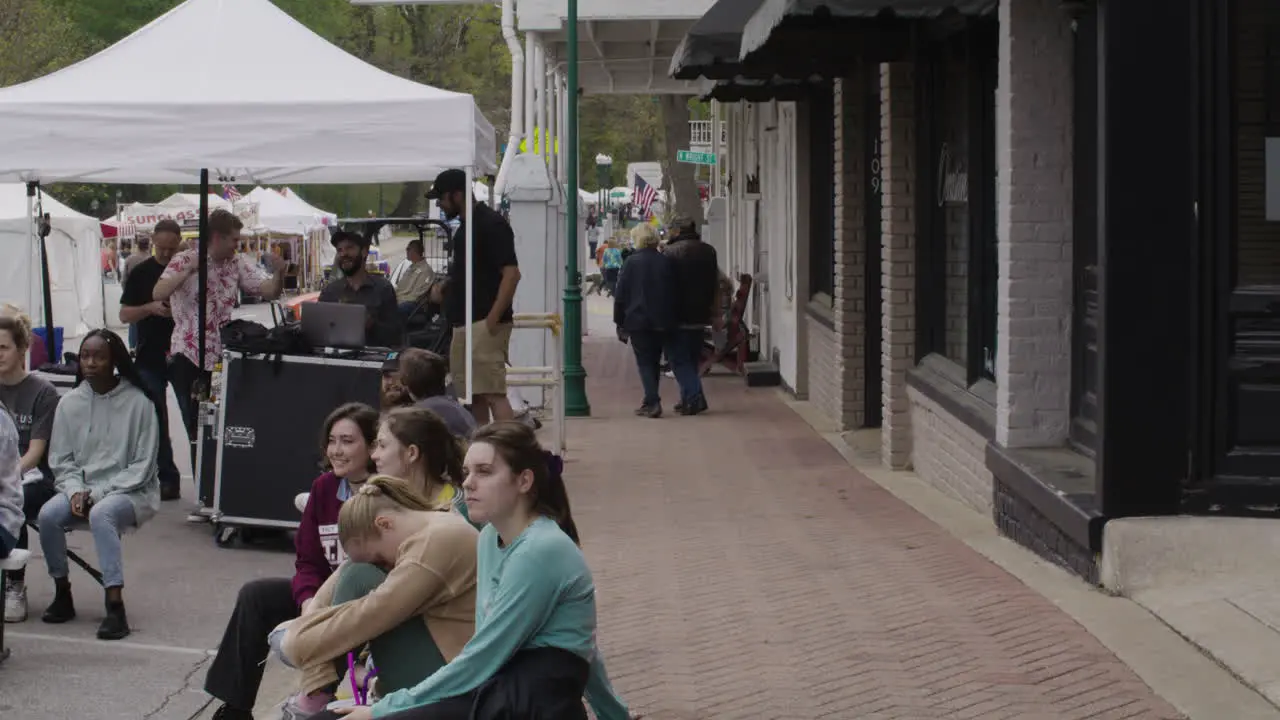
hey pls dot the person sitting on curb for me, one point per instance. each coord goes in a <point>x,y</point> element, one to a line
<point>262,605</point>
<point>106,438</point>
<point>534,652</point>
<point>415,445</point>
<point>423,374</point>
<point>409,590</point>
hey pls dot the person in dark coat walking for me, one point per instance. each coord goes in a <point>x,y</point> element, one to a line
<point>644,311</point>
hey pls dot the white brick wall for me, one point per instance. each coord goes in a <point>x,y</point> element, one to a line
<point>836,357</point>
<point>898,265</point>
<point>949,455</point>
<point>1034,207</point>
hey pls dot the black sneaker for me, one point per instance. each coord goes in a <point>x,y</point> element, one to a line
<point>62,609</point>
<point>649,411</point>
<point>115,625</point>
<point>170,491</point>
<point>226,712</point>
<point>694,407</point>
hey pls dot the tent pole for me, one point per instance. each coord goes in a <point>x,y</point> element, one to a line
<point>469,241</point>
<point>202,260</point>
<point>46,282</point>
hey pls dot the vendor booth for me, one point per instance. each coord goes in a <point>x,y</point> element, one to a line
<point>75,263</point>
<point>216,119</point>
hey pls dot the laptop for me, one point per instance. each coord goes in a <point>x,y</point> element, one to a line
<point>334,325</point>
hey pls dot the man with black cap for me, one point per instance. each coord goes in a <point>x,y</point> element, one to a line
<point>697,272</point>
<point>496,275</point>
<point>383,326</point>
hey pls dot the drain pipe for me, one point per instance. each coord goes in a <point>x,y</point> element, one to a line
<point>517,98</point>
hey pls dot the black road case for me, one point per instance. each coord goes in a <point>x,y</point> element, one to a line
<point>264,432</point>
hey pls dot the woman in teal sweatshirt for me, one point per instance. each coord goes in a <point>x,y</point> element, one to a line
<point>103,454</point>
<point>534,651</point>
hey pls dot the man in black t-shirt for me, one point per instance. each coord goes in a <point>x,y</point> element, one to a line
<point>496,275</point>
<point>154,323</point>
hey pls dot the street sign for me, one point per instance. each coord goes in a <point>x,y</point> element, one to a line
<point>697,158</point>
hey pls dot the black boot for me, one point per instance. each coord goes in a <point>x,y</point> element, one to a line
<point>226,712</point>
<point>115,625</point>
<point>62,609</point>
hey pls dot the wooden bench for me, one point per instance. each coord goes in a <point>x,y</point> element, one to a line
<point>17,560</point>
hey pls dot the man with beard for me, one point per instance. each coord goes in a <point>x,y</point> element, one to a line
<point>383,327</point>
<point>495,275</point>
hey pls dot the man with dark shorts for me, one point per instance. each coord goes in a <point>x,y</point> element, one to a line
<point>496,275</point>
<point>153,322</point>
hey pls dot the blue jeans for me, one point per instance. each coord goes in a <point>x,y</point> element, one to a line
<point>684,351</point>
<point>158,385</point>
<point>107,519</point>
<point>647,346</point>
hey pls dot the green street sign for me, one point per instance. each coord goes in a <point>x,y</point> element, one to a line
<point>697,158</point>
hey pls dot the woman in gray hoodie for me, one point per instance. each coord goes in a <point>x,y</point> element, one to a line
<point>103,454</point>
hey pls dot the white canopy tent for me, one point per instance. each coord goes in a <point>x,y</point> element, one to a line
<point>279,213</point>
<point>75,263</point>
<point>326,217</point>
<point>320,115</point>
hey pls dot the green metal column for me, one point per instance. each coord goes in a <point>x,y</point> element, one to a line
<point>575,376</point>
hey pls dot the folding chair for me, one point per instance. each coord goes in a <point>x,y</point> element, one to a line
<point>73,557</point>
<point>733,355</point>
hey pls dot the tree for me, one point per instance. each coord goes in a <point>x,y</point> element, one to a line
<point>681,183</point>
<point>38,38</point>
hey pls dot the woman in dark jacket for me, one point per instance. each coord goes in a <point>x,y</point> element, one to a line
<point>644,311</point>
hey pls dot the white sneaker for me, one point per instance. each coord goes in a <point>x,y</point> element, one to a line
<point>15,602</point>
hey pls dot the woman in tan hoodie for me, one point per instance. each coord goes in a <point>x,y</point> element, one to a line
<point>408,591</point>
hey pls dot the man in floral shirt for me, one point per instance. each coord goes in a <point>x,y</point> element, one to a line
<point>229,275</point>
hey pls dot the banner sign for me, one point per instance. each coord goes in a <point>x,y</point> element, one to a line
<point>144,216</point>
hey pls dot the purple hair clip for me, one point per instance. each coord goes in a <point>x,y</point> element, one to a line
<point>555,464</point>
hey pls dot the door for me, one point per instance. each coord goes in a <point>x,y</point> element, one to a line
<point>1247,413</point>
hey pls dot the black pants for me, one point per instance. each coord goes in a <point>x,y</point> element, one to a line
<point>237,669</point>
<point>186,378</point>
<point>540,684</point>
<point>34,496</point>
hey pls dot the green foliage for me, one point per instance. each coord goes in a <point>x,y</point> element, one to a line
<point>458,47</point>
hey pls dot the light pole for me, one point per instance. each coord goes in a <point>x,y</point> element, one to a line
<point>604,166</point>
<point>575,376</point>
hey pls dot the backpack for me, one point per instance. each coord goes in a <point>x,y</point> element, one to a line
<point>253,338</point>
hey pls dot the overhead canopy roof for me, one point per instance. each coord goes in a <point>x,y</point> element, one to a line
<point>240,88</point>
<point>799,37</point>
<point>712,47</point>
<point>740,89</point>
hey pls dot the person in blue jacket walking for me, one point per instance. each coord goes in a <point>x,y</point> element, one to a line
<point>534,652</point>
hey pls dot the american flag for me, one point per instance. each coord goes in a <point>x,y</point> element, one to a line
<point>229,192</point>
<point>643,196</point>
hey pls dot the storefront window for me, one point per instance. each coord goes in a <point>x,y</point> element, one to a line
<point>957,243</point>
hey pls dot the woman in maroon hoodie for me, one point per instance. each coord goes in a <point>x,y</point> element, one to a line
<point>236,672</point>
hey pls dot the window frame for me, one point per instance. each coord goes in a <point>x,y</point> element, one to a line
<point>822,204</point>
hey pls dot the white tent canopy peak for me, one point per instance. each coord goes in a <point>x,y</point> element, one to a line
<point>174,98</point>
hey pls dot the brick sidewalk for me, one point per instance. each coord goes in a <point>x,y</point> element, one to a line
<point>746,571</point>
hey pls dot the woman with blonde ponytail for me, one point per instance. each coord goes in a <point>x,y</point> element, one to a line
<point>408,590</point>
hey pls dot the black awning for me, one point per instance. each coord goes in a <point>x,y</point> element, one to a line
<point>712,47</point>
<point>796,38</point>
<point>740,89</point>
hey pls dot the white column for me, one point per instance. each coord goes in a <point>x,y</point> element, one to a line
<point>716,148</point>
<point>530,87</point>
<point>553,112</point>
<point>540,82</point>
<point>563,132</point>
